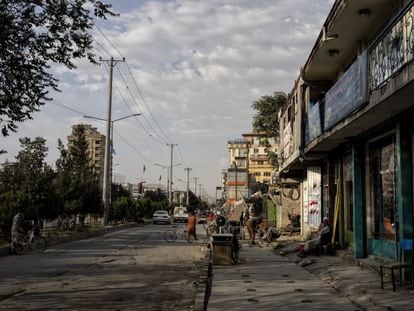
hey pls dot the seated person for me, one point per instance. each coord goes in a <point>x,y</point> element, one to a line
<point>324,237</point>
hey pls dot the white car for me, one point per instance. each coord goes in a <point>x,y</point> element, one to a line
<point>161,216</point>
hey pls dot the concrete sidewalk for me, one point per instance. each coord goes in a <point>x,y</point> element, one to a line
<point>265,280</point>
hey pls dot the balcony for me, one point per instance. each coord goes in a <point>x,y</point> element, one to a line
<point>240,141</point>
<point>389,88</point>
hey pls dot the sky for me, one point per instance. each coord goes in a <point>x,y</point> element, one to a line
<point>192,69</point>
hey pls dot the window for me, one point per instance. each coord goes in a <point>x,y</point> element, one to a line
<point>255,150</point>
<point>257,174</point>
<point>382,182</point>
<point>267,174</point>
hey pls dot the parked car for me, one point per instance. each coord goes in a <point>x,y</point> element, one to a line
<point>161,216</point>
<point>180,214</point>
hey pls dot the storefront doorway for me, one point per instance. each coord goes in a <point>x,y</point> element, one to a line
<point>382,197</point>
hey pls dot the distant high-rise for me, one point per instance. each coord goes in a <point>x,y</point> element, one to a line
<point>96,146</point>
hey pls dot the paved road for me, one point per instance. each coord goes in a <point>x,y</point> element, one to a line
<point>130,269</point>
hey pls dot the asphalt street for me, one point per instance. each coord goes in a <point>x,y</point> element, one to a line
<point>130,269</point>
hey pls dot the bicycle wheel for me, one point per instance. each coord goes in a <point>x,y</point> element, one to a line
<point>170,235</point>
<point>38,244</point>
<point>19,245</point>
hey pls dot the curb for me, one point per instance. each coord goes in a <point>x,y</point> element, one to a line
<point>204,284</point>
<point>4,249</point>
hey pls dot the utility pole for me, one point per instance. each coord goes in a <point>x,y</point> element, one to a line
<point>199,190</point>
<point>195,186</point>
<point>106,187</point>
<point>170,192</point>
<point>188,185</point>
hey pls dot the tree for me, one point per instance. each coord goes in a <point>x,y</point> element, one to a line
<point>76,179</point>
<point>28,184</point>
<point>267,107</point>
<point>34,35</point>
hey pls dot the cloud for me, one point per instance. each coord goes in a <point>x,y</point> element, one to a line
<point>198,65</point>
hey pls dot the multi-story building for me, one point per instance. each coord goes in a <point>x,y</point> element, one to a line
<point>250,165</point>
<point>260,166</point>
<point>346,132</point>
<point>96,146</point>
<point>237,173</point>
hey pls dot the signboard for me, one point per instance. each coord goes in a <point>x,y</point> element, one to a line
<point>314,187</point>
<point>314,121</point>
<point>348,93</point>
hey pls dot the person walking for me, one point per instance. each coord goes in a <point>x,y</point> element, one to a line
<point>191,226</point>
<point>16,228</point>
<point>251,225</point>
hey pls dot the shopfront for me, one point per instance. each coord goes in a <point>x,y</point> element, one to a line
<point>382,207</point>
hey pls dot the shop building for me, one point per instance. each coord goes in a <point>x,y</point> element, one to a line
<point>346,132</point>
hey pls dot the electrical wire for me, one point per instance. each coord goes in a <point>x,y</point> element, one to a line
<point>136,103</point>
<point>145,102</point>
<point>102,47</point>
<point>133,98</point>
<point>137,118</point>
<point>115,48</point>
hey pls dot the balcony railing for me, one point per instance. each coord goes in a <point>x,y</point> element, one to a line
<point>237,142</point>
<point>393,49</point>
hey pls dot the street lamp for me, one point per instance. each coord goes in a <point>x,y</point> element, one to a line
<point>106,194</point>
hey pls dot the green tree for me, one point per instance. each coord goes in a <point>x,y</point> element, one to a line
<point>119,210</point>
<point>76,179</point>
<point>267,109</point>
<point>28,184</point>
<point>34,35</point>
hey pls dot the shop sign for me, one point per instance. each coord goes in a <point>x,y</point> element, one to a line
<point>348,93</point>
<point>314,121</point>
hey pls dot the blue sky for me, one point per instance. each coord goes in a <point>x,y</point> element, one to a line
<point>193,68</point>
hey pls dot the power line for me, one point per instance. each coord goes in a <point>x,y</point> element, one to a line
<point>57,103</point>
<point>180,156</point>
<point>145,103</point>
<point>133,98</point>
<point>116,49</point>
<point>130,109</point>
<point>136,85</point>
<point>136,103</point>
<point>102,47</point>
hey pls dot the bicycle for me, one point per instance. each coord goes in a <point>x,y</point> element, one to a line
<point>173,234</point>
<point>23,242</point>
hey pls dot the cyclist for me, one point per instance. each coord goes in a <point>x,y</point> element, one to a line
<point>17,228</point>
